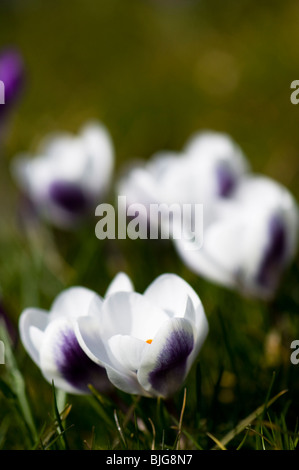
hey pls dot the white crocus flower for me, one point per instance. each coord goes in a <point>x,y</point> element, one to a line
<point>147,343</point>
<point>250,223</point>
<point>70,174</point>
<point>50,340</point>
<point>208,170</point>
<point>250,241</point>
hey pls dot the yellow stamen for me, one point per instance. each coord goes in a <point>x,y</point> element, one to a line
<point>149,341</point>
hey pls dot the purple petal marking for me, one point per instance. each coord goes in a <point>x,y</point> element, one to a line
<point>68,196</point>
<point>226,181</point>
<point>170,370</point>
<point>12,75</point>
<point>76,367</point>
<point>274,255</point>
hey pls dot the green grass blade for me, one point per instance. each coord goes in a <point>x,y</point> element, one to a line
<point>60,427</point>
<point>17,385</point>
<point>248,420</point>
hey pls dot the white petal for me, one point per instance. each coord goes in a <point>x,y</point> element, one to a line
<point>73,302</point>
<point>63,361</point>
<point>160,163</point>
<point>64,158</point>
<point>198,262</point>
<point>165,363</point>
<point>172,173</point>
<point>169,292</point>
<point>32,175</point>
<point>88,333</point>
<point>50,353</point>
<point>198,320</point>
<point>262,267</point>
<point>139,186</point>
<point>218,165</point>
<point>223,244</point>
<point>32,325</point>
<point>130,313</point>
<point>99,154</point>
<point>37,337</point>
<point>217,146</point>
<point>127,350</point>
<point>121,282</point>
<point>262,193</point>
<point>95,307</point>
<point>35,177</point>
<point>127,382</point>
<point>255,190</point>
<point>236,235</point>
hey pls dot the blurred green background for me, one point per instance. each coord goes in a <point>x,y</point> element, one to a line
<point>154,72</point>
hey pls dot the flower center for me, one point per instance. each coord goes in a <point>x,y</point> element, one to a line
<point>149,341</point>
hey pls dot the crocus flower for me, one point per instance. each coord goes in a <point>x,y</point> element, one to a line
<point>250,225</point>
<point>12,75</point>
<point>70,175</point>
<point>147,343</point>
<point>49,338</point>
<point>250,241</point>
<point>207,170</point>
<point>209,167</point>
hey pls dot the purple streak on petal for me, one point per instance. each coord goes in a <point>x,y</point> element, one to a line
<point>68,196</point>
<point>226,181</point>
<point>170,370</point>
<point>12,75</point>
<point>76,368</point>
<point>272,262</point>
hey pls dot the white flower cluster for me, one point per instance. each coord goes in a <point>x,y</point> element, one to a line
<point>146,343</point>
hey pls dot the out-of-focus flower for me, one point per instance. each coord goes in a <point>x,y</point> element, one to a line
<point>209,167</point>
<point>50,340</point>
<point>147,343</point>
<point>12,74</point>
<point>250,241</point>
<point>250,226</point>
<point>207,170</point>
<point>69,176</point>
